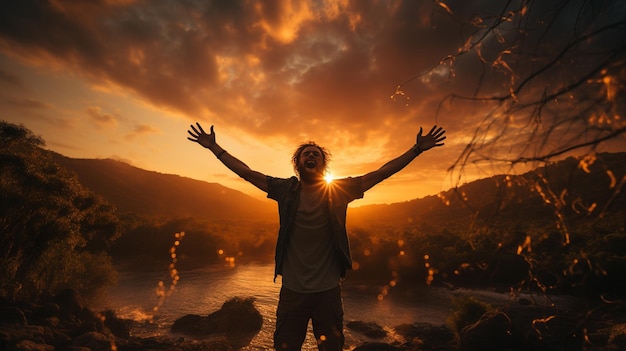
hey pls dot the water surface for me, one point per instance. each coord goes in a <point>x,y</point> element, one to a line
<point>204,291</point>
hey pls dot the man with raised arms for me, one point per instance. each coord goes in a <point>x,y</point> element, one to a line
<point>312,250</point>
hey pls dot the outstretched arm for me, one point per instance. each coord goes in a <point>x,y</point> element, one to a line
<point>434,138</point>
<point>234,164</point>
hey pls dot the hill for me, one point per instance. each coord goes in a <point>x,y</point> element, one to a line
<point>503,198</point>
<point>135,190</point>
<point>578,188</point>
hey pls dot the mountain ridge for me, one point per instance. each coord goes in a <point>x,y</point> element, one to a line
<point>132,189</point>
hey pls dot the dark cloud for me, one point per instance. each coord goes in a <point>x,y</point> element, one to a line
<point>196,57</point>
<point>30,104</point>
<point>305,68</point>
<point>11,80</point>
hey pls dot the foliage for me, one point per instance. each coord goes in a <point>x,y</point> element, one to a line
<point>147,241</point>
<point>546,76</point>
<point>467,310</point>
<point>548,79</point>
<point>566,236</point>
<point>53,230</point>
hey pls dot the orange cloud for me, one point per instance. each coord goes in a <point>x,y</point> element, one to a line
<point>101,119</point>
<point>141,130</point>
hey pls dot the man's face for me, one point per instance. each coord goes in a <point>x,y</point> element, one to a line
<point>311,163</point>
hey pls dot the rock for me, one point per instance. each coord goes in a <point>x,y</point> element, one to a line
<point>193,324</point>
<point>47,310</point>
<point>617,339</point>
<point>70,304</point>
<point>14,333</point>
<point>237,315</point>
<point>60,338</point>
<point>94,341</point>
<point>238,320</point>
<point>492,332</point>
<point>28,345</point>
<point>89,321</point>
<point>428,336</point>
<point>76,348</point>
<point>369,329</point>
<point>12,315</point>
<point>52,322</point>
<point>376,346</point>
<point>116,325</point>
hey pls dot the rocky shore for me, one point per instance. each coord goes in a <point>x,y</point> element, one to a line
<point>62,322</point>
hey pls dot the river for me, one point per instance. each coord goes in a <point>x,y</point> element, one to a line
<point>204,291</point>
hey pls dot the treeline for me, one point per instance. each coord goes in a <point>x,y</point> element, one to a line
<point>54,232</point>
<point>148,242</point>
<point>592,264</point>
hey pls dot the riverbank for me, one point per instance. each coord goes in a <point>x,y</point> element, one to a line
<point>62,322</point>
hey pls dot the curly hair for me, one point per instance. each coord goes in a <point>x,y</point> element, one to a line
<point>295,158</point>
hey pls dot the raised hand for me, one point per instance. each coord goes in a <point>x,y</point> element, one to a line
<point>199,136</point>
<point>430,140</point>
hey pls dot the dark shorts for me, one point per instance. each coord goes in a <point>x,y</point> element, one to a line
<point>324,309</point>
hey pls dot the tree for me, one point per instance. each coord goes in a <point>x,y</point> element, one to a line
<point>53,231</point>
<point>548,77</point>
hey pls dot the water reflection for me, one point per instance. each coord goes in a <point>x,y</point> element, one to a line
<point>204,291</point>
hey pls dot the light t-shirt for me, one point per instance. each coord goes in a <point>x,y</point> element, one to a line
<point>311,263</point>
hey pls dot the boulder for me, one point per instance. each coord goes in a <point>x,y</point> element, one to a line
<point>117,326</point>
<point>376,346</point>
<point>428,336</point>
<point>94,341</point>
<point>369,329</point>
<point>89,321</point>
<point>193,324</point>
<point>70,304</point>
<point>237,315</point>
<point>28,345</point>
<point>12,315</point>
<point>617,338</point>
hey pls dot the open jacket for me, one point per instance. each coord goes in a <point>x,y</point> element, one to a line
<point>339,192</point>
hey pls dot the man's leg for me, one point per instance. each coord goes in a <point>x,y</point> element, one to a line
<point>292,319</point>
<point>328,320</point>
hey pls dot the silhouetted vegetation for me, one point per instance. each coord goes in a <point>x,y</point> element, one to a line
<point>148,241</point>
<point>556,229</point>
<point>467,310</point>
<point>54,231</point>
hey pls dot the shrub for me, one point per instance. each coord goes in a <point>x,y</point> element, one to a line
<point>467,310</point>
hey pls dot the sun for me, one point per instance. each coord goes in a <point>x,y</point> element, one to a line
<point>329,178</point>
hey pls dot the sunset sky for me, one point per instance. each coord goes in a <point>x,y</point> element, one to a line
<point>124,79</point>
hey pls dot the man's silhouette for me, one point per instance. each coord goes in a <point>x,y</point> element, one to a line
<point>312,250</point>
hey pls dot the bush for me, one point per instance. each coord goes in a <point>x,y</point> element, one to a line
<point>54,230</point>
<point>467,311</point>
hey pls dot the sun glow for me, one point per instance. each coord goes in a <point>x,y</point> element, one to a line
<point>329,178</point>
